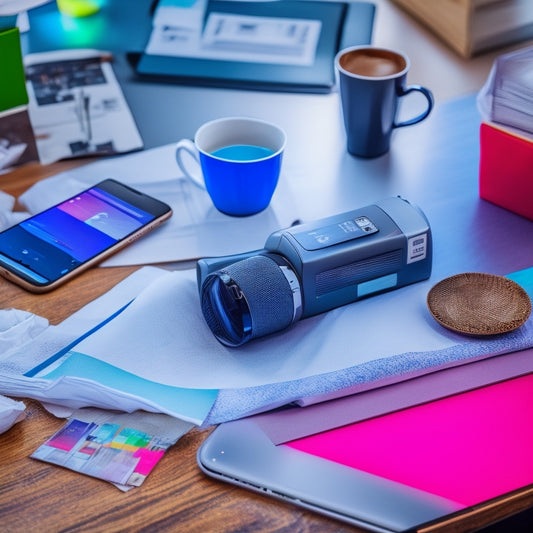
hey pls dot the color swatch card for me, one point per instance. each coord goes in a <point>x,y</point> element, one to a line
<point>122,448</point>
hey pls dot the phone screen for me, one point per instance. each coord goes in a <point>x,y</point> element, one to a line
<point>51,244</point>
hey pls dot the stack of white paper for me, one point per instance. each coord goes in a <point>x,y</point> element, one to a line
<point>145,345</point>
<point>512,90</point>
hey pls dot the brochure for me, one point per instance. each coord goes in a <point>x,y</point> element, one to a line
<point>77,107</point>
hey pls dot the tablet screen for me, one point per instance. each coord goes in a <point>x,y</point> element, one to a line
<point>467,448</point>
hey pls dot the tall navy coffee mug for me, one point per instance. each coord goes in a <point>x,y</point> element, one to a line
<point>371,82</point>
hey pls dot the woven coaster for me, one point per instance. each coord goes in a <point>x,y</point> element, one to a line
<point>479,304</point>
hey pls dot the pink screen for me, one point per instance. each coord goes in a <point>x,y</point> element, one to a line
<point>467,448</point>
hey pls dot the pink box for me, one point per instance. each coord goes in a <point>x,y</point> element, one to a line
<point>506,169</point>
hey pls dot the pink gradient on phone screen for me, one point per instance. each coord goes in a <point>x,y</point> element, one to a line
<point>467,448</point>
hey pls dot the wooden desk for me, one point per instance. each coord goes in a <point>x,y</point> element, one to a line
<point>36,496</point>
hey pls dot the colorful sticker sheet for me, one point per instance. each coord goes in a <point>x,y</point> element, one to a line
<point>117,447</point>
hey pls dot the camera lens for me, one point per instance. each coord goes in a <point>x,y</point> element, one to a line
<point>250,298</point>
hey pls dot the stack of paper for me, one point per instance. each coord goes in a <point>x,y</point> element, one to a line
<point>144,345</point>
<point>512,90</point>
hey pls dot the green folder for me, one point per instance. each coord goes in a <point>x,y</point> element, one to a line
<point>13,82</point>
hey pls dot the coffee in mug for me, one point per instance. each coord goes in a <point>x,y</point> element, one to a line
<point>373,62</point>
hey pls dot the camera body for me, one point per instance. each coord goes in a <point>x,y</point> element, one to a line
<point>314,267</point>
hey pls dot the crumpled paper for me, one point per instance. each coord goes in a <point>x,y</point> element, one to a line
<point>16,328</point>
<point>8,217</point>
<point>11,412</point>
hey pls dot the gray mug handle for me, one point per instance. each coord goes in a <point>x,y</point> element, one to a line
<point>429,97</point>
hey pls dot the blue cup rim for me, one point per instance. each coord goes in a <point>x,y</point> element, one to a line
<point>236,119</point>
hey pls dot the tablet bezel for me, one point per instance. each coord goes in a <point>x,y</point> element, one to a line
<point>240,453</point>
<point>243,453</point>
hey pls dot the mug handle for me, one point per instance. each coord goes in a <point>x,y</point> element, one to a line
<point>429,97</point>
<point>186,145</point>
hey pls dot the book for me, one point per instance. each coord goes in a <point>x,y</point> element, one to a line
<point>287,45</point>
<point>473,26</point>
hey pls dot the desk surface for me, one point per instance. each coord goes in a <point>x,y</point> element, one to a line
<point>36,496</point>
<point>176,496</point>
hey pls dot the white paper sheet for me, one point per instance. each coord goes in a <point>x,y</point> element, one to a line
<point>196,229</point>
<point>162,336</point>
<point>12,7</point>
<point>8,217</point>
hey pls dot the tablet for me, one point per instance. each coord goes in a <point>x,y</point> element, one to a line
<point>392,473</point>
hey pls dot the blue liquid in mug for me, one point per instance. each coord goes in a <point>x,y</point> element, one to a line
<point>242,152</point>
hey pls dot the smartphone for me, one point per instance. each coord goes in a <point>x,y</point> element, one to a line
<point>47,249</point>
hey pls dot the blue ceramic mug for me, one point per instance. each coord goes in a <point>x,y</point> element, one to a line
<point>238,162</point>
<point>371,82</point>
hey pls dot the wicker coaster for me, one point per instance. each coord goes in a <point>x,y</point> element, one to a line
<point>479,304</point>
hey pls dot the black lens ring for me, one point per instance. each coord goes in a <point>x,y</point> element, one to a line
<point>253,290</point>
<point>226,327</point>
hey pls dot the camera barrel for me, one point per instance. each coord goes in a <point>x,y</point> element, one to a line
<point>250,298</point>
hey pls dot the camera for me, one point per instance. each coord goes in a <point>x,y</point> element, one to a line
<point>314,267</point>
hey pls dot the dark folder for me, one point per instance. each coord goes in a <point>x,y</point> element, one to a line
<point>342,24</point>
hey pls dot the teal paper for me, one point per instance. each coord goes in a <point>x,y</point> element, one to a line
<point>8,22</point>
<point>190,404</point>
<point>524,278</point>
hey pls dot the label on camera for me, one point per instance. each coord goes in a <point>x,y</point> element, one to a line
<point>417,248</point>
<point>336,233</point>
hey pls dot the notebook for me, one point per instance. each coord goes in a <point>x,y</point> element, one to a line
<point>288,45</point>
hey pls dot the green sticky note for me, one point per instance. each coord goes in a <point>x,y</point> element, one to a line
<point>12,80</point>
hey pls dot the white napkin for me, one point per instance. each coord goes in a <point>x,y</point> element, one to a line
<point>11,412</point>
<point>7,216</point>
